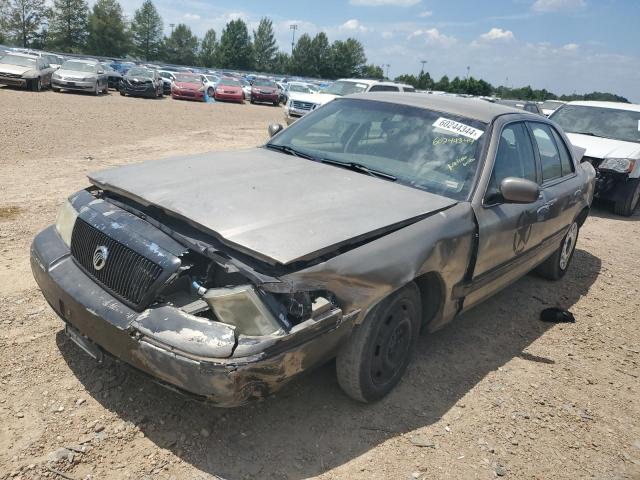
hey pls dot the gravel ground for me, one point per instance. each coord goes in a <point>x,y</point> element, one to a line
<point>496,393</point>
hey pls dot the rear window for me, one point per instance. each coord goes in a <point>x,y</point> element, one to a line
<point>384,88</point>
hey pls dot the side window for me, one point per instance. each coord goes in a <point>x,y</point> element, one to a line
<point>565,156</point>
<point>384,88</point>
<point>514,158</point>
<point>549,155</point>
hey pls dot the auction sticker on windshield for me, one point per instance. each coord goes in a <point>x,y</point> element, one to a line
<point>456,127</point>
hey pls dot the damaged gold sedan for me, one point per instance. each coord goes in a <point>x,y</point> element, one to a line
<point>373,218</point>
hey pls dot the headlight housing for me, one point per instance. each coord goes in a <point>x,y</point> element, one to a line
<point>65,221</point>
<point>241,307</point>
<point>620,165</point>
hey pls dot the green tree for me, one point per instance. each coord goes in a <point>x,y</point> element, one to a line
<point>108,35</point>
<point>181,47</point>
<point>302,57</point>
<point>209,49</point>
<point>282,63</point>
<point>372,71</point>
<point>348,58</point>
<point>23,20</point>
<point>147,31</point>
<point>68,25</point>
<point>235,46</point>
<point>408,79</point>
<point>442,84</point>
<point>264,46</point>
<point>321,56</point>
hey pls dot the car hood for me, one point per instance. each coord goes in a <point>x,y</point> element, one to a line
<point>275,207</point>
<point>132,78</point>
<point>188,85</point>
<point>317,98</point>
<point>597,147</point>
<point>75,73</point>
<point>16,69</point>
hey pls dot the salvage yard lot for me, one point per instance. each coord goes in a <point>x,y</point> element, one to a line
<point>497,392</point>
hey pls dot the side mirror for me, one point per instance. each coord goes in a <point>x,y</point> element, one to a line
<point>274,128</point>
<point>519,190</point>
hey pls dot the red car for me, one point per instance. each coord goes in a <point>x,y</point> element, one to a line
<point>187,86</point>
<point>265,90</point>
<point>229,89</point>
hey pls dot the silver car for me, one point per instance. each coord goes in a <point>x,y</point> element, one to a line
<point>24,70</point>
<point>81,75</point>
<point>371,219</point>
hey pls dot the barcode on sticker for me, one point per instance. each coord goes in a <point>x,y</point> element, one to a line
<point>457,127</point>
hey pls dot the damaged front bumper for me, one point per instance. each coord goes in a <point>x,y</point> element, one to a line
<point>188,352</point>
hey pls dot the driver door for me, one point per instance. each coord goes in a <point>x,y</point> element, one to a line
<point>507,232</point>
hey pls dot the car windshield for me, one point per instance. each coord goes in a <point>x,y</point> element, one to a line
<point>599,122</point>
<point>346,88</point>
<point>188,78</point>
<point>229,82</point>
<point>550,105</point>
<point>211,78</point>
<point>299,88</point>
<point>79,66</point>
<point>139,72</point>
<point>18,60</point>
<point>433,151</point>
<point>261,82</point>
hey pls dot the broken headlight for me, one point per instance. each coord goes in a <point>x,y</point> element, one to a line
<point>620,165</point>
<point>65,221</point>
<point>241,307</point>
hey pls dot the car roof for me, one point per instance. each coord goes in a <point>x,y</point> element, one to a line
<point>25,55</point>
<point>614,105</point>
<point>83,60</point>
<point>473,108</point>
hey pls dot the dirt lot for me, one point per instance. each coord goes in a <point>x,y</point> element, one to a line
<point>496,393</point>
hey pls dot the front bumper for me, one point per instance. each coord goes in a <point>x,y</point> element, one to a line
<point>291,116</point>
<point>143,90</point>
<point>264,97</point>
<point>187,94</point>
<point>73,85</point>
<point>230,97</point>
<point>12,81</point>
<point>128,335</point>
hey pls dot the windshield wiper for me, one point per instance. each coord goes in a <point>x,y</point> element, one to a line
<point>358,167</point>
<point>290,151</point>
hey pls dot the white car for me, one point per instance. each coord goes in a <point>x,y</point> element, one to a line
<point>300,104</point>
<point>550,106</point>
<point>610,134</point>
<point>210,82</point>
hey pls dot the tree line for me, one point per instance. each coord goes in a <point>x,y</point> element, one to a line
<point>70,26</point>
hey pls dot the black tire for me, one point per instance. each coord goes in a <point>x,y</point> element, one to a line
<point>252,101</point>
<point>122,93</point>
<point>97,90</point>
<point>554,267</point>
<point>55,89</point>
<point>210,92</point>
<point>275,104</point>
<point>376,355</point>
<point>36,85</point>
<point>105,90</point>
<point>630,198</point>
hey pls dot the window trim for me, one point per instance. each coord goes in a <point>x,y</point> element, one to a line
<point>536,160</point>
<point>562,178</point>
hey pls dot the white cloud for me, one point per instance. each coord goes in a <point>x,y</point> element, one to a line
<point>556,5</point>
<point>425,14</point>
<point>380,3</point>
<point>497,35</point>
<point>387,35</point>
<point>353,25</point>
<point>191,17</point>
<point>433,37</point>
<point>571,47</point>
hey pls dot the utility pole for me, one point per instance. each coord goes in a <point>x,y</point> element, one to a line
<point>171,26</point>
<point>293,28</point>
<point>423,62</point>
<point>388,70</point>
<point>468,70</point>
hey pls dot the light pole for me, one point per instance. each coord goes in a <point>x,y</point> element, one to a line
<point>293,28</point>
<point>171,25</point>
<point>423,62</point>
<point>468,70</point>
<point>388,70</point>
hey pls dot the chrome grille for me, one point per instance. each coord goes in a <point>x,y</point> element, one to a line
<point>126,274</point>
<point>306,106</point>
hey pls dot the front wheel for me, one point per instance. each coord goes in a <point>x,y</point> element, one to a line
<point>630,198</point>
<point>122,93</point>
<point>36,85</point>
<point>376,355</point>
<point>554,267</point>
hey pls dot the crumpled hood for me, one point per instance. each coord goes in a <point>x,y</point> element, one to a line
<point>16,69</point>
<point>317,98</point>
<point>605,147</point>
<point>275,207</point>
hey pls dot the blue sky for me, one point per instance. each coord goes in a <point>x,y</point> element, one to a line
<point>565,46</point>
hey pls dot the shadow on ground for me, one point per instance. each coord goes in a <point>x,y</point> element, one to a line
<point>311,426</point>
<point>604,209</point>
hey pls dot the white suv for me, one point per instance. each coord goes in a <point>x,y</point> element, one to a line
<point>300,104</point>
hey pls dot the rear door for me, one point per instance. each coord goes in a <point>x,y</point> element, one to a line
<point>561,186</point>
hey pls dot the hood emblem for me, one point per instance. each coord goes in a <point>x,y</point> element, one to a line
<point>100,255</point>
